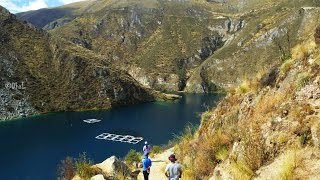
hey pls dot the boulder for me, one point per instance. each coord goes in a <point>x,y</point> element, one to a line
<point>98,177</point>
<point>77,177</point>
<point>223,171</point>
<point>113,166</point>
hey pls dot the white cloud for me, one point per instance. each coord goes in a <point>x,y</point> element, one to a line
<point>32,5</point>
<point>69,1</point>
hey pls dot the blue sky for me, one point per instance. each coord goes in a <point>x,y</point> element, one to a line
<point>15,6</point>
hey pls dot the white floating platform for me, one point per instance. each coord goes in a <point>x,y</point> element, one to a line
<point>90,121</point>
<point>120,138</point>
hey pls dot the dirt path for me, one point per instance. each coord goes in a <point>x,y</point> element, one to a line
<point>159,163</point>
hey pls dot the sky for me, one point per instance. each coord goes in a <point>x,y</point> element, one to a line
<point>15,6</point>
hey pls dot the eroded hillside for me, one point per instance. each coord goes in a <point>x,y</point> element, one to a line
<point>267,128</point>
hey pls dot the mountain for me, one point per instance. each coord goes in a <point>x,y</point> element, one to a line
<point>41,73</point>
<point>268,127</point>
<point>189,45</point>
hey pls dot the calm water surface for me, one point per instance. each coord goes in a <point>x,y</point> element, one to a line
<point>31,148</point>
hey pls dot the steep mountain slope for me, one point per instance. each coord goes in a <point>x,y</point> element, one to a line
<point>267,128</point>
<point>172,45</point>
<point>41,73</point>
<point>265,40</point>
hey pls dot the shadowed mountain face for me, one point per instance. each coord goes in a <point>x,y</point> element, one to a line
<point>41,73</point>
<point>47,16</point>
<point>196,46</point>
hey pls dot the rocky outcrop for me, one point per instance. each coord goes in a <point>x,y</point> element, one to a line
<point>98,177</point>
<point>113,166</point>
<point>14,103</point>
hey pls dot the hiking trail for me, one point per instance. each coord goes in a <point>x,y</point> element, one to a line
<point>159,162</point>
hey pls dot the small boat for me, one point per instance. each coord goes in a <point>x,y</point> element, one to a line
<point>90,121</point>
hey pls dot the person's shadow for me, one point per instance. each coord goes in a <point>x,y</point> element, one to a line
<point>158,161</point>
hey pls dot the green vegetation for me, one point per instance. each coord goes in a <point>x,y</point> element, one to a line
<point>222,153</point>
<point>286,66</point>
<point>156,150</point>
<point>302,79</point>
<point>288,165</point>
<point>205,116</point>
<point>240,170</point>
<point>133,157</point>
<point>81,166</point>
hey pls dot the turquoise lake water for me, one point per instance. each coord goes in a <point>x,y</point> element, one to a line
<point>32,148</point>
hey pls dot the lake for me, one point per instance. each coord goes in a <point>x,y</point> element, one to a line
<point>32,148</point>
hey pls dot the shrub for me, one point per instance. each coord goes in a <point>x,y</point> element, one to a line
<point>122,173</point>
<point>205,116</point>
<point>184,140</point>
<point>155,149</point>
<point>301,51</point>
<point>240,170</point>
<point>288,165</point>
<point>222,153</point>
<point>304,136</point>
<point>83,166</point>
<point>286,66</point>
<point>189,172</point>
<point>254,152</point>
<point>244,87</point>
<point>303,79</point>
<point>210,150</point>
<point>133,156</point>
<point>66,169</point>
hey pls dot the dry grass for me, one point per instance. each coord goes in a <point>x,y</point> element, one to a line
<point>205,116</point>
<point>240,170</point>
<point>303,50</point>
<point>302,79</point>
<point>286,66</point>
<point>204,154</point>
<point>269,103</point>
<point>238,119</point>
<point>251,85</point>
<point>244,87</point>
<point>289,163</point>
<point>222,153</point>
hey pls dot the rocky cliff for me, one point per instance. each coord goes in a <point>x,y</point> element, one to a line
<point>42,73</point>
<point>190,45</point>
<point>268,127</point>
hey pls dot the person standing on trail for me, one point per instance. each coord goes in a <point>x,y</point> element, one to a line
<point>173,170</point>
<point>146,148</point>
<point>146,165</point>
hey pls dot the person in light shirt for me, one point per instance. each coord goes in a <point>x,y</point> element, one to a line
<point>146,149</point>
<point>173,170</point>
